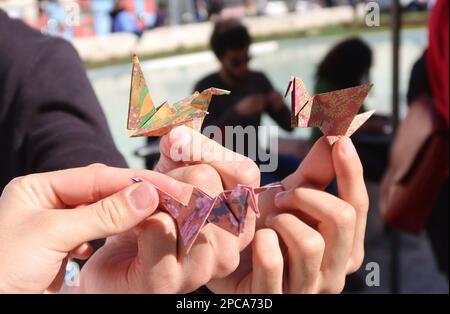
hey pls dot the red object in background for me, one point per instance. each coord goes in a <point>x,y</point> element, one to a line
<point>150,6</point>
<point>86,27</point>
<point>437,57</point>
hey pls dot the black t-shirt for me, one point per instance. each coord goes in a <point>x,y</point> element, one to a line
<point>50,118</point>
<point>221,111</point>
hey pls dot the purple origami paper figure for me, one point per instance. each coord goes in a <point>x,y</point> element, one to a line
<point>227,210</point>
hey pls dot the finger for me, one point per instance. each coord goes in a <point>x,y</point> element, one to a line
<point>109,216</point>
<point>316,170</point>
<point>69,188</point>
<point>215,253</point>
<point>305,252</point>
<point>267,275</point>
<point>202,176</point>
<point>157,259</point>
<point>82,251</point>
<point>336,224</point>
<point>352,189</point>
<point>184,146</point>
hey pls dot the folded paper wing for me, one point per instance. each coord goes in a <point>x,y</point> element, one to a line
<point>144,119</point>
<point>227,210</point>
<point>334,113</point>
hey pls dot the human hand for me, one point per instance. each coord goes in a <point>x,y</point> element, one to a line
<point>251,105</point>
<point>307,240</point>
<point>47,218</point>
<point>190,157</point>
<point>151,250</point>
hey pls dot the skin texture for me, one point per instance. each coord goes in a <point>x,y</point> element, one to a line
<point>36,210</point>
<point>140,253</point>
<point>163,267</point>
<point>306,240</point>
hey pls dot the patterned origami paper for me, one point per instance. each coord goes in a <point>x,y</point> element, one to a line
<point>335,113</point>
<point>227,210</point>
<point>144,119</point>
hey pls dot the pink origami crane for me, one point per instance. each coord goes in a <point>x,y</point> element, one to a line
<point>335,113</point>
<point>227,210</point>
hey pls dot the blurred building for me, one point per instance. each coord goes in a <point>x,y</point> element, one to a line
<point>83,18</point>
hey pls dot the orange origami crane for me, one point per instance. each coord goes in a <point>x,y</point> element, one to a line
<point>335,113</point>
<point>144,119</point>
<point>228,210</point>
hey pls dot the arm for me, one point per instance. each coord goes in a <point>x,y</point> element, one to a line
<point>278,111</point>
<point>61,119</point>
<point>276,107</point>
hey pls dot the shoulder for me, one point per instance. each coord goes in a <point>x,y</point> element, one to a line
<point>260,76</point>
<point>208,81</point>
<point>262,80</point>
<point>27,46</point>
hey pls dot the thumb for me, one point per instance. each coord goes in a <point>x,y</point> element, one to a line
<point>109,216</point>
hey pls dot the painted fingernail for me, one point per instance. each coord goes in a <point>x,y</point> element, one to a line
<point>347,148</point>
<point>140,196</point>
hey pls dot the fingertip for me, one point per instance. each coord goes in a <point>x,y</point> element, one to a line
<point>345,148</point>
<point>180,134</point>
<point>142,196</point>
<point>346,159</point>
<point>267,255</point>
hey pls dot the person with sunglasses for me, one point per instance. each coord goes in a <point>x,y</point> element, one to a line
<point>252,94</point>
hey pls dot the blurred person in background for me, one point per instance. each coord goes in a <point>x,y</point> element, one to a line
<point>53,19</point>
<point>437,62</point>
<point>146,10</point>
<point>215,8</point>
<point>252,94</point>
<point>125,18</point>
<point>201,10</point>
<point>429,85</point>
<point>50,118</point>
<point>347,65</point>
<point>162,14</point>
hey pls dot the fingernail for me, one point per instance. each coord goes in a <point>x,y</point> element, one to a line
<point>347,148</point>
<point>180,135</point>
<point>140,196</point>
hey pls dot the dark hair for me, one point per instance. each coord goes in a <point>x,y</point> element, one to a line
<point>229,34</point>
<point>346,63</point>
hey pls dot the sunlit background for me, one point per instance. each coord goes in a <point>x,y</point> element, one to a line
<point>290,38</point>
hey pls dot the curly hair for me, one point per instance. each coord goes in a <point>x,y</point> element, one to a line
<point>346,64</point>
<point>229,34</point>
